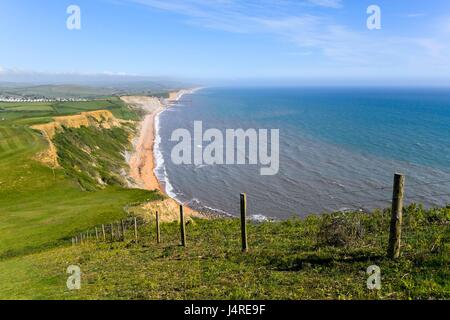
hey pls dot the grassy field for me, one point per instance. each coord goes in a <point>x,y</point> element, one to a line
<point>320,257</point>
<point>87,92</point>
<point>40,207</point>
<point>296,259</point>
<point>35,113</point>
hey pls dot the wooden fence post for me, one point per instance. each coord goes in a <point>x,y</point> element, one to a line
<point>119,234</point>
<point>112,233</point>
<point>96,234</point>
<point>135,230</point>
<point>244,222</point>
<point>158,230</point>
<point>123,230</point>
<point>396,217</point>
<point>182,227</point>
<point>104,233</point>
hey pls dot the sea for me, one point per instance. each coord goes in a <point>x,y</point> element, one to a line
<point>339,149</point>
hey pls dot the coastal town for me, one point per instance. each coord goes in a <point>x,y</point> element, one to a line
<point>38,99</point>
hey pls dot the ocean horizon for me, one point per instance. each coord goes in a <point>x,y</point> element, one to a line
<point>339,149</point>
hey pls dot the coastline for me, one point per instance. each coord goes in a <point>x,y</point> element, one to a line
<point>144,160</point>
<point>164,183</point>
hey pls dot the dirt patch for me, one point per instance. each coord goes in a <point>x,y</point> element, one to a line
<point>168,209</point>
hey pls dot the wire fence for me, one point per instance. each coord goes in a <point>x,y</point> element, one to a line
<point>372,230</point>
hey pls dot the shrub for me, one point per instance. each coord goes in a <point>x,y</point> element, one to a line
<point>340,230</point>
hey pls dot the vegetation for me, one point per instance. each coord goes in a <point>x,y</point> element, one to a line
<point>94,157</point>
<point>41,207</point>
<point>55,91</point>
<point>319,257</point>
<point>287,260</point>
<point>27,114</point>
<point>86,92</point>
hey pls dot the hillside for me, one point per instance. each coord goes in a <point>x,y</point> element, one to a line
<point>320,257</point>
<point>43,207</point>
<point>87,90</point>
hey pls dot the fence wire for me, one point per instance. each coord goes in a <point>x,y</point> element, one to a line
<point>416,234</point>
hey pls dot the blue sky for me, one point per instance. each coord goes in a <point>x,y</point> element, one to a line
<point>229,39</point>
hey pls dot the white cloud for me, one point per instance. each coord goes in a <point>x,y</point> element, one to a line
<point>327,3</point>
<point>330,41</point>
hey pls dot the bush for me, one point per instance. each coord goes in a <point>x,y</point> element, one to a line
<point>340,230</point>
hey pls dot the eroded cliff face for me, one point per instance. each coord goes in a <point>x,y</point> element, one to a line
<point>100,119</point>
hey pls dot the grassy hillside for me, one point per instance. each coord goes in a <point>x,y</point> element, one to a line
<point>56,91</point>
<point>321,257</point>
<point>41,207</point>
<point>98,91</point>
<point>94,157</point>
<point>34,113</point>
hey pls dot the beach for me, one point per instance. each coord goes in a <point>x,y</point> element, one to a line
<point>142,161</point>
<point>329,145</point>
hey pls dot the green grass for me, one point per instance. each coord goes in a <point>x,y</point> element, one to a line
<point>41,207</point>
<point>35,113</point>
<point>87,92</point>
<point>56,91</point>
<point>286,260</point>
<point>94,157</point>
<point>320,257</point>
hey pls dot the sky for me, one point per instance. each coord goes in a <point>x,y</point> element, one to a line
<point>280,41</point>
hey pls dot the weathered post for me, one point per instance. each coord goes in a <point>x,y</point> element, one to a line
<point>104,233</point>
<point>96,233</point>
<point>135,230</point>
<point>396,217</point>
<point>112,233</point>
<point>158,230</point>
<point>119,234</point>
<point>182,227</point>
<point>123,229</point>
<point>244,222</point>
